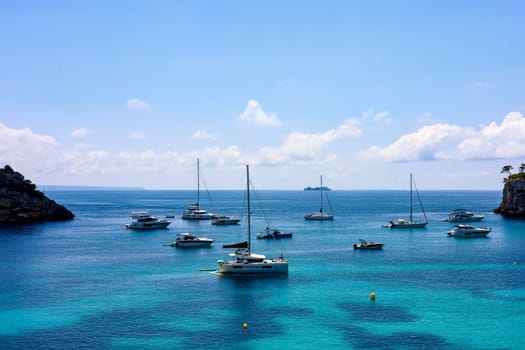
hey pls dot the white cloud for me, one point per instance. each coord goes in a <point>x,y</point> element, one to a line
<point>302,146</point>
<point>137,103</point>
<point>25,148</point>
<point>203,135</point>
<point>506,140</point>
<point>255,115</point>
<point>452,142</point>
<point>81,132</point>
<point>383,118</point>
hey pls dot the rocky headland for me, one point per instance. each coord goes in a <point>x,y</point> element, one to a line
<point>513,202</point>
<point>21,202</point>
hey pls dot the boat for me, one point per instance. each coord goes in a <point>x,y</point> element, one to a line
<point>271,233</point>
<point>244,261</point>
<point>317,188</point>
<point>462,215</point>
<point>188,240</point>
<point>364,245</point>
<point>144,221</point>
<point>224,220</point>
<point>321,215</point>
<point>194,211</point>
<point>410,223</point>
<point>468,231</point>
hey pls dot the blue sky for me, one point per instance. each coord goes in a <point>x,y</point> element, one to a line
<point>130,93</point>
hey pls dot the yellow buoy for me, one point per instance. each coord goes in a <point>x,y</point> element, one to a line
<point>373,296</point>
<point>245,326</point>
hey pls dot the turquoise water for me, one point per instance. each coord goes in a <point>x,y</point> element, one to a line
<point>90,283</point>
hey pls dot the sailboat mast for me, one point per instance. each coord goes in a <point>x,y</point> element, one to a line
<point>321,192</point>
<point>198,182</point>
<point>249,209</point>
<point>410,216</point>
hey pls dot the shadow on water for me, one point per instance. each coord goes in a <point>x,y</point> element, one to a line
<point>20,229</point>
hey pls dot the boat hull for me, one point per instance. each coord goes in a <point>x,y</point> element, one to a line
<point>408,225</point>
<point>194,244</point>
<point>474,218</point>
<point>148,226</point>
<point>272,236</point>
<point>225,221</point>
<point>267,267</point>
<point>318,217</point>
<point>196,216</point>
<point>369,246</point>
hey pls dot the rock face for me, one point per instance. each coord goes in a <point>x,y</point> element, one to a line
<point>21,202</point>
<point>513,202</point>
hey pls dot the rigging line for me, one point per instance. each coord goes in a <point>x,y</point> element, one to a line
<point>263,210</point>
<point>419,199</point>
<point>259,201</point>
<point>206,188</point>
<point>329,203</point>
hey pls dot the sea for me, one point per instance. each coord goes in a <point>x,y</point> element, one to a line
<point>90,283</point>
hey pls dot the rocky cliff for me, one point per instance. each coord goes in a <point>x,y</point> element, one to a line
<point>21,202</point>
<point>513,202</point>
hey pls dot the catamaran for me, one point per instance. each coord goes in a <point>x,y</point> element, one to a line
<point>246,262</point>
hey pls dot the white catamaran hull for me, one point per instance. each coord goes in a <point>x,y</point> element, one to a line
<point>267,267</point>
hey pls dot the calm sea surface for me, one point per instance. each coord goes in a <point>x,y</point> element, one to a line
<point>91,284</point>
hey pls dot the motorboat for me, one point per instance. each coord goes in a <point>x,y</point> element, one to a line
<point>320,215</point>
<point>244,261</point>
<point>273,234</point>
<point>462,215</point>
<point>188,240</point>
<point>468,231</point>
<point>410,223</point>
<point>224,220</point>
<point>144,221</point>
<point>194,211</point>
<point>364,245</point>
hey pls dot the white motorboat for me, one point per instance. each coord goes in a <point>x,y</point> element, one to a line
<point>410,223</point>
<point>321,215</point>
<point>244,261</point>
<point>194,211</point>
<point>224,220</point>
<point>468,231</point>
<point>188,240</point>
<point>143,221</point>
<point>462,215</point>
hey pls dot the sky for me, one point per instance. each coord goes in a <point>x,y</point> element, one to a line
<point>131,93</point>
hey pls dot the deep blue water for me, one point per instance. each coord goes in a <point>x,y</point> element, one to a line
<point>90,283</point>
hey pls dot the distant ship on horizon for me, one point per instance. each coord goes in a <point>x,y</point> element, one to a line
<point>310,188</point>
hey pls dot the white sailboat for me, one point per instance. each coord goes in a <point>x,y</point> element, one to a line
<point>410,223</point>
<point>320,215</point>
<point>244,261</point>
<point>194,211</point>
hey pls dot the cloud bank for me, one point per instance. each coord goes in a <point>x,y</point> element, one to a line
<point>452,142</point>
<point>25,149</point>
